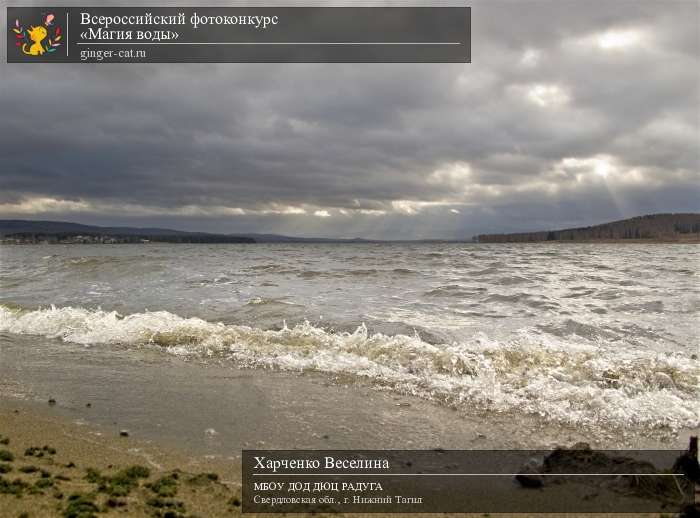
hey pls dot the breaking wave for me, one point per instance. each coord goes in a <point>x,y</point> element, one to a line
<point>561,381</point>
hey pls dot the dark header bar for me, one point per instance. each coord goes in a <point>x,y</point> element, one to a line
<point>239,35</point>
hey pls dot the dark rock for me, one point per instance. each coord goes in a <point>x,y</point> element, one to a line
<point>688,462</point>
<point>690,511</point>
<point>530,475</point>
<point>530,481</point>
<point>52,401</point>
<point>123,433</point>
<point>581,446</point>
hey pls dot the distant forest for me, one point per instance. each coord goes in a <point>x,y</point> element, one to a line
<point>28,238</point>
<point>654,227</point>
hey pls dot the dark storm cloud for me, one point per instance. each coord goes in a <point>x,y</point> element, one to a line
<point>570,113</point>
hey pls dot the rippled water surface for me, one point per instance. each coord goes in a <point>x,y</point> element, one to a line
<point>603,336</point>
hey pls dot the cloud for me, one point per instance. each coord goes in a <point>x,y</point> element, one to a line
<point>547,95</point>
<point>568,115</point>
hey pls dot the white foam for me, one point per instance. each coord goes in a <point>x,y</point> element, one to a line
<point>565,382</point>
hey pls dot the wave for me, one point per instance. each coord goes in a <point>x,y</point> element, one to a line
<point>561,381</point>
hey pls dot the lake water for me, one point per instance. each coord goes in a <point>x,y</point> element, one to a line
<point>593,337</point>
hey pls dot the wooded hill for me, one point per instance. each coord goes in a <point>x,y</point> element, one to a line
<point>653,227</point>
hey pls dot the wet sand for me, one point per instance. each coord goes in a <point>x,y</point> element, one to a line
<point>219,410</point>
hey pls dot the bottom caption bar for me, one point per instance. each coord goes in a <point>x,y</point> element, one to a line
<point>578,479</point>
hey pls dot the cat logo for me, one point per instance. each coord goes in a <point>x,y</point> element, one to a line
<point>38,40</point>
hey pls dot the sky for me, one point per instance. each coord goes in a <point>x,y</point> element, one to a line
<point>571,113</point>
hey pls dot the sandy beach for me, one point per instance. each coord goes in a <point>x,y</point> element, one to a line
<point>48,460</point>
<point>54,467</point>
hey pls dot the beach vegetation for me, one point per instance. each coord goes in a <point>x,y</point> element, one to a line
<point>167,508</point>
<point>203,478</point>
<point>81,505</point>
<point>93,476</point>
<point>6,456</point>
<point>164,486</point>
<point>33,451</point>
<point>43,483</point>
<point>119,484</point>
<point>15,487</point>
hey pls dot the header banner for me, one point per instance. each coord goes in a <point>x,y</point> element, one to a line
<point>238,35</point>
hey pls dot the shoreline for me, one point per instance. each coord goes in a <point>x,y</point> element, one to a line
<point>650,241</point>
<point>185,419</point>
<point>217,409</point>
